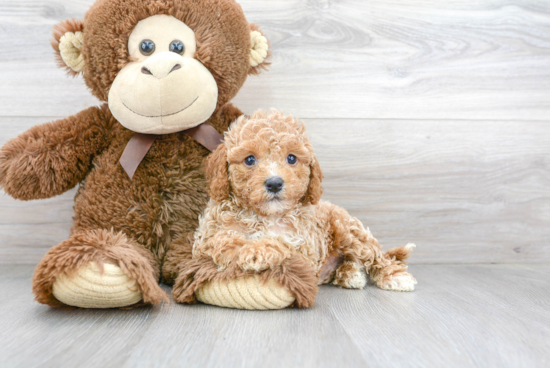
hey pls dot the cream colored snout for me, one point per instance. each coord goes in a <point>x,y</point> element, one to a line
<point>165,93</point>
<point>161,65</point>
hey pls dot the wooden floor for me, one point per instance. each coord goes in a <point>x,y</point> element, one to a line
<point>460,316</point>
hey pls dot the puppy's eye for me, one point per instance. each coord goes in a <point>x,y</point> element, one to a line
<point>291,159</point>
<point>147,47</point>
<point>177,47</point>
<point>250,161</point>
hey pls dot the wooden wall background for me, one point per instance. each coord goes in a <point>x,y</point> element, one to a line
<point>431,118</point>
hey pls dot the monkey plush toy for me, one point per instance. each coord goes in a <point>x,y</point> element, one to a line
<point>165,71</point>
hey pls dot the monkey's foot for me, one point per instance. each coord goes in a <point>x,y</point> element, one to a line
<point>90,288</point>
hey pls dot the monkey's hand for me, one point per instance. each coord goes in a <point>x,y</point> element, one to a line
<point>52,158</point>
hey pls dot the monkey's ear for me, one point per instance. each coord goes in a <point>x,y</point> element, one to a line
<point>259,50</point>
<point>315,189</point>
<point>67,43</point>
<point>217,174</point>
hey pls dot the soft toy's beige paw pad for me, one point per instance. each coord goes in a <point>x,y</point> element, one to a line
<point>245,293</point>
<point>88,288</point>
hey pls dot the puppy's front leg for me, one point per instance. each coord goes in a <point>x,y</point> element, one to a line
<point>262,254</point>
<point>222,248</point>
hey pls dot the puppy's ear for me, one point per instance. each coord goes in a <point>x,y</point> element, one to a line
<point>315,189</point>
<point>217,174</point>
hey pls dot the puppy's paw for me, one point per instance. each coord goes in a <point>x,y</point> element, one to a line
<point>350,276</point>
<point>253,260</point>
<point>400,281</point>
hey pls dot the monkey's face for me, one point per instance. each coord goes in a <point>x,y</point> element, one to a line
<point>162,65</point>
<point>164,89</point>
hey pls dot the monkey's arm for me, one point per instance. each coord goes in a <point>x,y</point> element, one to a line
<point>52,158</point>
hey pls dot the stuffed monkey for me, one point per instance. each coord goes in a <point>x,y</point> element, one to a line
<point>164,71</point>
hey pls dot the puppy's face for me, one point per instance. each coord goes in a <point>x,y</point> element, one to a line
<point>270,171</point>
<point>271,165</point>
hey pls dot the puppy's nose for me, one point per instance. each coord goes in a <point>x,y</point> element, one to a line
<point>274,184</point>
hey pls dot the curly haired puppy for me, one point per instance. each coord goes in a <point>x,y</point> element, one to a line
<point>265,207</point>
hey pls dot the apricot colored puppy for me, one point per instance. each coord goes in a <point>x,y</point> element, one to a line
<point>266,208</point>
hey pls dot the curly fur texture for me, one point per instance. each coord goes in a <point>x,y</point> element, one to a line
<point>248,228</point>
<point>294,273</point>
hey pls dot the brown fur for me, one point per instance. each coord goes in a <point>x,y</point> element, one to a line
<point>52,158</point>
<point>315,189</point>
<point>294,273</point>
<point>168,191</point>
<point>221,30</point>
<point>398,253</point>
<point>216,167</point>
<point>243,231</point>
<point>257,138</point>
<point>99,246</point>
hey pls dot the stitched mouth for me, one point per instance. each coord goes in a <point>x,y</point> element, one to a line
<point>161,116</point>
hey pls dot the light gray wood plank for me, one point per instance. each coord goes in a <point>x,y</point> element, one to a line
<point>463,191</point>
<point>334,59</point>
<point>472,315</point>
<point>460,315</point>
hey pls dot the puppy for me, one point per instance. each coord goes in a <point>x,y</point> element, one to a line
<point>266,207</point>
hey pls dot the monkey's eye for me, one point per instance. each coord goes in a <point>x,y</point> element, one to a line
<point>291,159</point>
<point>177,47</point>
<point>147,47</point>
<point>250,161</point>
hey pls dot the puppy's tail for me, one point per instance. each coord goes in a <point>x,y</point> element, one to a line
<point>400,253</point>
